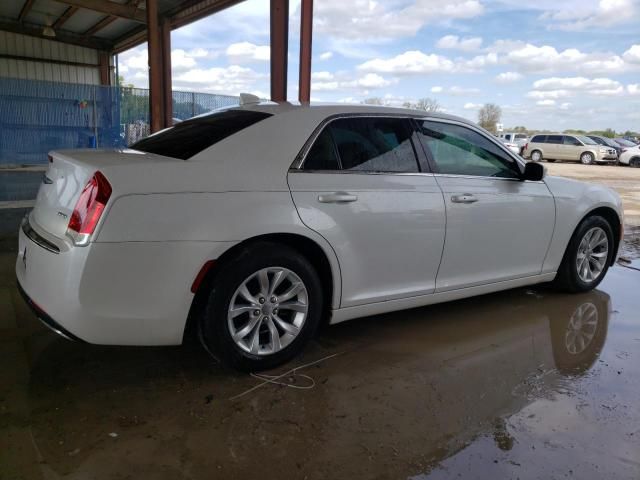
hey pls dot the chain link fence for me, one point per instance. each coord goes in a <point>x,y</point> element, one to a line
<point>38,116</point>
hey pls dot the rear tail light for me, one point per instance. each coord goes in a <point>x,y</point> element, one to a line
<point>88,209</point>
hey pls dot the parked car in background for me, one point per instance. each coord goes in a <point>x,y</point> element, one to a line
<point>514,147</point>
<point>606,142</point>
<point>624,143</point>
<point>630,156</point>
<point>576,148</point>
<point>256,224</point>
<point>519,139</point>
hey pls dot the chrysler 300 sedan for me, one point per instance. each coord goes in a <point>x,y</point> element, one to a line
<point>257,223</point>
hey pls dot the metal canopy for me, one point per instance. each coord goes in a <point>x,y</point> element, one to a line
<point>108,25</point>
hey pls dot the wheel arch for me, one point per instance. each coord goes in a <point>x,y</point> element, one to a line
<point>309,248</point>
<point>611,216</point>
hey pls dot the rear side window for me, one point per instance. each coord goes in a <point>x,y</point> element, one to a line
<point>190,137</point>
<point>539,139</point>
<point>571,141</point>
<point>364,144</point>
<point>554,139</point>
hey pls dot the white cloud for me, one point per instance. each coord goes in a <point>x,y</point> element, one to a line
<point>547,59</point>
<point>633,89</point>
<point>605,14</point>
<point>326,81</point>
<point>411,62</point>
<point>546,103</point>
<point>633,54</point>
<point>456,43</point>
<point>415,62</point>
<point>231,80</point>
<point>248,52</point>
<point>565,106</point>
<point>326,55</point>
<point>472,106</point>
<point>367,20</point>
<point>595,86</point>
<point>508,77</point>
<point>456,91</point>
<point>180,60</point>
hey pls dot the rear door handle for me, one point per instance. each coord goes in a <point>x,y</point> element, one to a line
<point>337,197</point>
<point>464,198</point>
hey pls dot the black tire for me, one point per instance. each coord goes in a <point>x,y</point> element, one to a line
<point>215,333</point>
<point>567,278</point>
<point>635,162</point>
<point>551,160</point>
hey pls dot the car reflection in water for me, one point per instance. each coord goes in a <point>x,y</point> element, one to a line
<point>411,389</point>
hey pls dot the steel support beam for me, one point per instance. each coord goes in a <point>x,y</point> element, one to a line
<point>128,12</point>
<point>166,72</point>
<point>24,11</point>
<point>62,19</point>
<point>105,68</point>
<point>279,28</point>
<point>306,39</point>
<point>33,30</point>
<point>156,98</point>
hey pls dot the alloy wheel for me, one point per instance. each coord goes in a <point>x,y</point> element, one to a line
<point>581,328</point>
<point>593,253</point>
<point>267,311</point>
<point>586,158</point>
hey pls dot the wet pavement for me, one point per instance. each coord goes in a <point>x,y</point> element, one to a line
<point>522,384</point>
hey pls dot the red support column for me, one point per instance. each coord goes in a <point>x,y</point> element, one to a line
<point>306,40</point>
<point>279,48</point>
<point>166,73</point>
<point>104,67</point>
<point>156,100</point>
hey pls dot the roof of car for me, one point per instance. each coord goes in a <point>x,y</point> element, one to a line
<point>328,109</point>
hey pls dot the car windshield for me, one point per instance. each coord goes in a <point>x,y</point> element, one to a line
<point>586,140</point>
<point>520,136</point>
<point>625,143</point>
<point>610,142</point>
<point>192,136</point>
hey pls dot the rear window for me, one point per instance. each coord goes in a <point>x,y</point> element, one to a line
<point>190,137</point>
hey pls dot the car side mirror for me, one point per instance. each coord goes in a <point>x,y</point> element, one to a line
<point>534,171</point>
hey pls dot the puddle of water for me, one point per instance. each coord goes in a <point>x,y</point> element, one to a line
<point>526,383</point>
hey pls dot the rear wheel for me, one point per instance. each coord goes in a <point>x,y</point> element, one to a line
<point>587,257</point>
<point>536,155</point>
<point>587,158</point>
<point>635,162</point>
<point>264,307</point>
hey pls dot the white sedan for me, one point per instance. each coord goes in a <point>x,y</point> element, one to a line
<point>254,224</point>
<point>630,156</point>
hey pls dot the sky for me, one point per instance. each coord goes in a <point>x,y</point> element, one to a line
<point>549,64</point>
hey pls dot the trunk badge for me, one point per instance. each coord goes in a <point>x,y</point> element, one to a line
<point>63,215</point>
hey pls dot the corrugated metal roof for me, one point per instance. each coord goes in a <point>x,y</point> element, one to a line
<point>75,19</point>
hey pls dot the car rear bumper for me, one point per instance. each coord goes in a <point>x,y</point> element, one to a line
<point>112,293</point>
<point>45,318</point>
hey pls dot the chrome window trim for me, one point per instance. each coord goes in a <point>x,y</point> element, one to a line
<point>37,238</point>
<point>298,162</point>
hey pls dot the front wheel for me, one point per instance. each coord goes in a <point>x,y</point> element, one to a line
<point>587,257</point>
<point>587,158</point>
<point>264,307</point>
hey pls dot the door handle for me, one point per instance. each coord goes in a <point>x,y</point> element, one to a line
<point>337,197</point>
<point>464,198</point>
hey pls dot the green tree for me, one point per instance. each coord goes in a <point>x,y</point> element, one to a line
<point>488,116</point>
